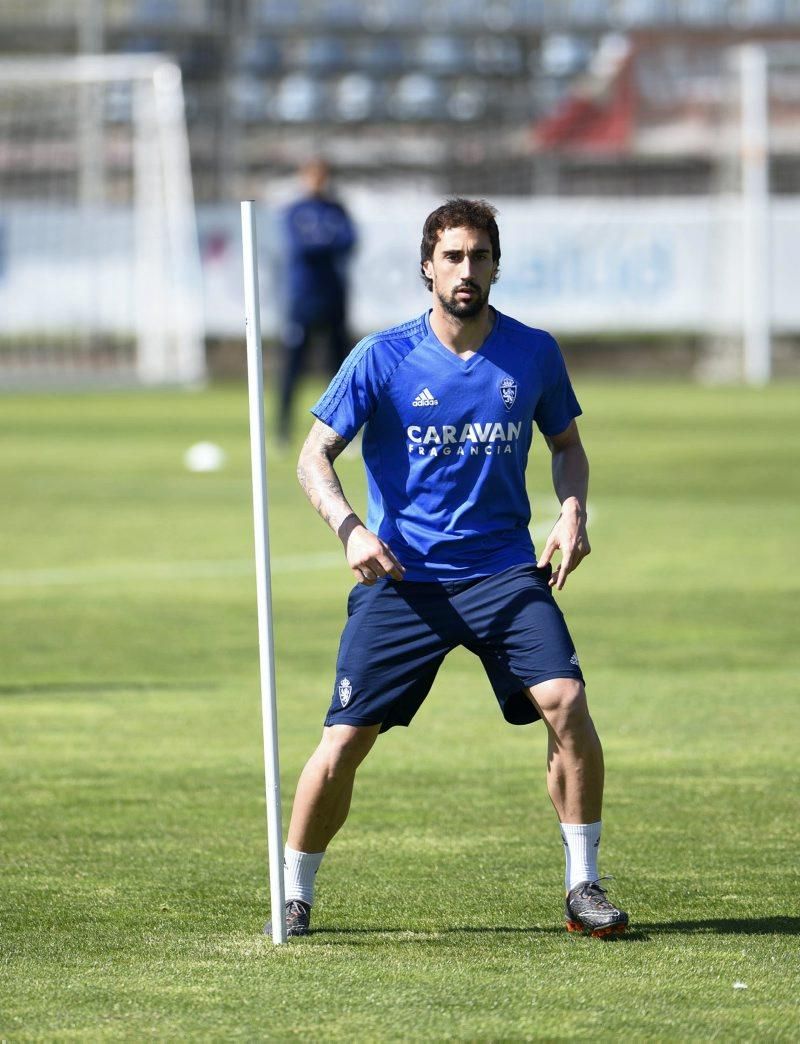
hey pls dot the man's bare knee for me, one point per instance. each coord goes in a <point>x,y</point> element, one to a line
<point>344,747</point>
<point>561,703</point>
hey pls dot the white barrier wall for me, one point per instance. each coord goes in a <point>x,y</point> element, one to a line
<point>572,266</point>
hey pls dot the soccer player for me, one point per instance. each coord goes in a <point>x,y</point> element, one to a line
<point>319,240</point>
<point>448,402</point>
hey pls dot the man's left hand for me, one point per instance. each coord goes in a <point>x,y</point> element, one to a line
<point>569,537</point>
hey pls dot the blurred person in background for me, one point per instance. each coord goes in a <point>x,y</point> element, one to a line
<point>319,238</point>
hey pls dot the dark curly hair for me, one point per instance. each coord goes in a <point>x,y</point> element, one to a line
<point>458,213</point>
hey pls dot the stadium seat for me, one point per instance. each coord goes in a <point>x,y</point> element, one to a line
<point>416,97</point>
<point>280,13</point>
<point>498,56</point>
<point>258,55</point>
<point>382,54</point>
<point>249,98</point>
<point>298,99</point>
<point>355,98</point>
<point>321,54</point>
<point>563,54</point>
<point>443,54</point>
<point>467,101</point>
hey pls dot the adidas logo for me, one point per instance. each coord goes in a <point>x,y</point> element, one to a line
<point>425,398</point>
<point>574,660</point>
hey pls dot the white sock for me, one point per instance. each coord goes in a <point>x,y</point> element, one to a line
<point>581,841</point>
<point>299,871</point>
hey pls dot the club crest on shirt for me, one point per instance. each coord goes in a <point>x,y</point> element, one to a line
<point>508,392</point>
<point>345,691</point>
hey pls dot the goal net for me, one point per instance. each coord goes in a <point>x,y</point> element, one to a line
<point>100,278</point>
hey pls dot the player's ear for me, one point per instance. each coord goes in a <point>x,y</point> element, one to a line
<point>427,268</point>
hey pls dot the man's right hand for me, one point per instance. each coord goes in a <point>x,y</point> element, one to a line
<point>369,558</point>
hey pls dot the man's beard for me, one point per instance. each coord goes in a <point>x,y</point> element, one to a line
<point>464,309</point>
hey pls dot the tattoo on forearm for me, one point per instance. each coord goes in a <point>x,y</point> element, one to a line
<point>319,481</point>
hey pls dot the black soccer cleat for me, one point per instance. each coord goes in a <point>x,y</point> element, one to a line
<point>588,909</point>
<point>298,915</point>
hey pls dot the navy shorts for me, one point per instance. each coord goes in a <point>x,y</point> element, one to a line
<point>398,633</point>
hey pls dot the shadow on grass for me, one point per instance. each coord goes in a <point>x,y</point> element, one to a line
<point>85,688</point>
<point>411,935</point>
<point>727,926</point>
<point>638,932</point>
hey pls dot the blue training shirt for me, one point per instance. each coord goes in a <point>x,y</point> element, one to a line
<point>446,441</point>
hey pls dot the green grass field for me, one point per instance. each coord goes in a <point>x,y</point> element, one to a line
<point>134,883</point>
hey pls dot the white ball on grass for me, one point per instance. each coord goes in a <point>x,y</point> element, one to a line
<point>205,456</point>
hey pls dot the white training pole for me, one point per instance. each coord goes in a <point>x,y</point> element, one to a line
<point>266,653</point>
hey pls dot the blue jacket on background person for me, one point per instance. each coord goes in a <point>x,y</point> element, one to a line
<point>319,237</point>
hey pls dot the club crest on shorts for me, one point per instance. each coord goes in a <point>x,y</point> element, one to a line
<point>345,691</point>
<point>508,392</point>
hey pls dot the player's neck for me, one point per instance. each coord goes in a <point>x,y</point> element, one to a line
<point>463,337</point>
